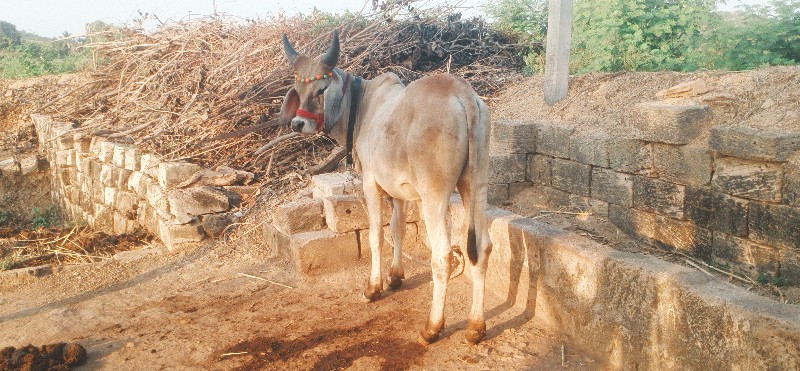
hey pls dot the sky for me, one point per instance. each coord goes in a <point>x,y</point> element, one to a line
<point>50,18</point>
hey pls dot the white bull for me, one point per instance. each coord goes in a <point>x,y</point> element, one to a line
<point>410,143</point>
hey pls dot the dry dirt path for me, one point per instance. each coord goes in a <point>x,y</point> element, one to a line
<point>184,311</point>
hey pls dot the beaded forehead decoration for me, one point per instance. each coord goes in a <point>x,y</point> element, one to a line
<point>299,78</point>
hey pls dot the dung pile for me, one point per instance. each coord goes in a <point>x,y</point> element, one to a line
<point>209,90</point>
<point>58,356</point>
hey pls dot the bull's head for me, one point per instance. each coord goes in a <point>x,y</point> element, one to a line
<point>314,104</point>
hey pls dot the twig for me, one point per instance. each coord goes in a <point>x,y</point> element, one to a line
<point>264,279</point>
<point>698,267</point>
<point>233,354</point>
<point>275,141</point>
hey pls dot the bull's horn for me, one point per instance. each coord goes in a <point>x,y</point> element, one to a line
<point>331,57</point>
<point>288,49</point>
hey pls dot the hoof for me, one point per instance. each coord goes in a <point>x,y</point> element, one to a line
<point>427,338</point>
<point>475,332</point>
<point>395,283</point>
<point>370,295</point>
<point>430,334</point>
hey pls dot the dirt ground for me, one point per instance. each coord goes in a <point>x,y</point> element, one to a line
<point>192,310</point>
<point>765,99</point>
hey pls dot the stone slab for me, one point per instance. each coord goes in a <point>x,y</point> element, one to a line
<point>658,196</point>
<point>686,164</point>
<point>750,143</point>
<point>512,137</point>
<point>571,176</point>
<point>669,123</point>
<point>748,179</point>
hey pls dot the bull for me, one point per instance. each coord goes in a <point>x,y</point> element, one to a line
<point>415,143</point>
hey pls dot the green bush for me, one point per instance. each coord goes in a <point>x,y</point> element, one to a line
<point>653,35</point>
<point>26,55</point>
<point>46,218</point>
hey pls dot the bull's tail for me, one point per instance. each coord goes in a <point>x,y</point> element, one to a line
<point>478,162</point>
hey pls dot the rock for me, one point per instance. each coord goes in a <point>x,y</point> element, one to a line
<point>172,174</point>
<point>74,354</point>
<point>304,215</point>
<point>197,201</point>
<point>9,167</point>
<point>214,224</point>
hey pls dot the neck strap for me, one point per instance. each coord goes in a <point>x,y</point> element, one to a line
<point>355,99</point>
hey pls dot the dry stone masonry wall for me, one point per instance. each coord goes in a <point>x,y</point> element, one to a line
<point>116,188</point>
<point>727,193</point>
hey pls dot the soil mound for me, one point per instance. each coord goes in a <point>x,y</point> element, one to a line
<point>51,357</point>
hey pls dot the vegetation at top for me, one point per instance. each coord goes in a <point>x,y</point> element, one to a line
<point>607,36</point>
<point>655,35</point>
<point>24,54</point>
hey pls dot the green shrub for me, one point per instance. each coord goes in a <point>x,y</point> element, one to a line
<point>654,35</point>
<point>46,218</point>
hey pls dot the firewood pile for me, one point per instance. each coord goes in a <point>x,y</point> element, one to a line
<point>209,90</point>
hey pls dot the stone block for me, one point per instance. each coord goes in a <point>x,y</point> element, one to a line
<point>599,207</point>
<point>553,138</point>
<point>122,224</point>
<point>96,145</point>
<point>121,178</point>
<point>157,198</point>
<point>612,187</point>
<point>106,154</point>
<point>197,201</point>
<point>658,196</point>
<point>106,175</point>
<point>791,182</point>
<point>175,236</point>
<point>347,213</point>
<point>109,196</point>
<point>669,123</point>
<point>516,188</point>
<point>29,164</point>
<point>639,224</point>
<point>149,164</point>
<point>9,167</point>
<point>589,149</point>
<point>689,164</point>
<point>334,184</point>
<point>134,183</point>
<point>717,211</point>
<point>132,159</point>
<point>736,250</point>
<point>630,155</point>
<point>118,158</point>
<point>683,235</point>
<point>748,179</point>
<point>507,168</point>
<point>103,218</point>
<point>540,169</point>
<point>82,161</point>
<point>571,176</point>
<point>126,201</point>
<point>497,193</point>
<point>790,266</point>
<point>512,137</point>
<point>277,241</point>
<point>81,142</point>
<point>304,215</point>
<point>62,158</point>
<point>64,140</point>
<point>777,225</point>
<point>754,144</point>
<point>170,174</point>
<point>323,251</point>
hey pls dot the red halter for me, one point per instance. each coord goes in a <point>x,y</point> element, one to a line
<point>320,117</point>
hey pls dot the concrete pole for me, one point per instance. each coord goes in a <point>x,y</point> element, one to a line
<point>559,36</point>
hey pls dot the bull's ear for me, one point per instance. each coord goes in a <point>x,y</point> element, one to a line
<point>333,102</point>
<point>289,107</point>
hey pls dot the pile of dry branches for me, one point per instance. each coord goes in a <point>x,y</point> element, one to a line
<point>209,90</point>
<point>79,244</point>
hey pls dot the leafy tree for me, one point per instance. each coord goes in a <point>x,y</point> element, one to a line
<point>527,19</point>
<point>9,36</point>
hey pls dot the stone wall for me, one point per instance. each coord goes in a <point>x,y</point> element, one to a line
<point>118,189</point>
<point>327,229</point>
<point>729,194</point>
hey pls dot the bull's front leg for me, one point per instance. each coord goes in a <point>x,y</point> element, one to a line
<point>373,197</point>
<point>398,227</point>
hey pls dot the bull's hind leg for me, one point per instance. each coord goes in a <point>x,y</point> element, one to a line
<point>373,197</point>
<point>434,213</point>
<point>398,226</point>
